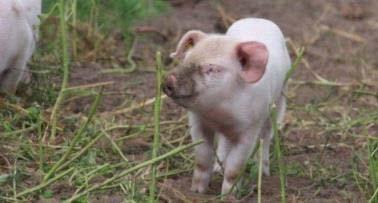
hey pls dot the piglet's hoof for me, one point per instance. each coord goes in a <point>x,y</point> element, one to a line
<point>198,189</point>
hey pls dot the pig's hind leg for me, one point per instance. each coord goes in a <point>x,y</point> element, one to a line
<point>13,74</point>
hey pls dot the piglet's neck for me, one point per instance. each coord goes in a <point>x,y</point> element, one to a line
<point>217,114</point>
<point>220,120</point>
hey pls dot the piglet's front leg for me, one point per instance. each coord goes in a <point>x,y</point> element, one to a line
<point>204,155</point>
<point>237,157</point>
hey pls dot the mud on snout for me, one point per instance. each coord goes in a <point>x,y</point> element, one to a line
<point>180,85</point>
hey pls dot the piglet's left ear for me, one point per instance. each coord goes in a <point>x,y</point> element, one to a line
<point>253,57</point>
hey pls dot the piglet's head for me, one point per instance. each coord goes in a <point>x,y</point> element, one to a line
<point>213,68</point>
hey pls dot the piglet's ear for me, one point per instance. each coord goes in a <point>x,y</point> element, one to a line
<point>253,57</point>
<point>189,40</point>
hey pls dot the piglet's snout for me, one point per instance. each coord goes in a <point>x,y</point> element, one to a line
<point>169,85</point>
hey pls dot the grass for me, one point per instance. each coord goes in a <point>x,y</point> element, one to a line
<point>126,172</point>
<point>156,139</point>
<point>278,154</point>
<point>105,15</point>
<point>373,169</point>
<point>49,151</point>
<point>48,130</point>
<point>259,180</point>
<point>66,63</point>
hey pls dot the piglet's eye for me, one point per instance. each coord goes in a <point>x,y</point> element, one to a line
<point>208,69</point>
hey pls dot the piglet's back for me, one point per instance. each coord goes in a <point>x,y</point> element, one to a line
<point>257,29</point>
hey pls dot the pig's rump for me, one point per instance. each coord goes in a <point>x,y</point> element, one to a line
<point>16,43</point>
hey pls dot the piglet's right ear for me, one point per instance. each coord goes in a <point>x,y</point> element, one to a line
<point>253,57</point>
<point>189,40</point>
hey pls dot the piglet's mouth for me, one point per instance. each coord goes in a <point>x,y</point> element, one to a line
<point>184,100</point>
<point>183,97</point>
<point>171,92</point>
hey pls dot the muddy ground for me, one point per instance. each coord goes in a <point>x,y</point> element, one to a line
<point>341,44</point>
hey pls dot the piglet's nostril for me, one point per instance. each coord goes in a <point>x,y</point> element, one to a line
<point>168,90</point>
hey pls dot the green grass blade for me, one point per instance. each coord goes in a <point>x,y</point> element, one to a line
<point>260,171</point>
<point>278,153</point>
<point>295,64</point>
<point>66,63</point>
<point>156,141</point>
<point>373,169</point>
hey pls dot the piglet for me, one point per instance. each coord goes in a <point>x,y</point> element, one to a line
<point>18,33</point>
<point>228,82</point>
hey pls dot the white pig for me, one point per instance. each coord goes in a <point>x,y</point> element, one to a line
<point>33,9</point>
<point>18,33</point>
<point>228,83</point>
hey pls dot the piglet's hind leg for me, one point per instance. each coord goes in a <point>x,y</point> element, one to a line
<point>12,75</point>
